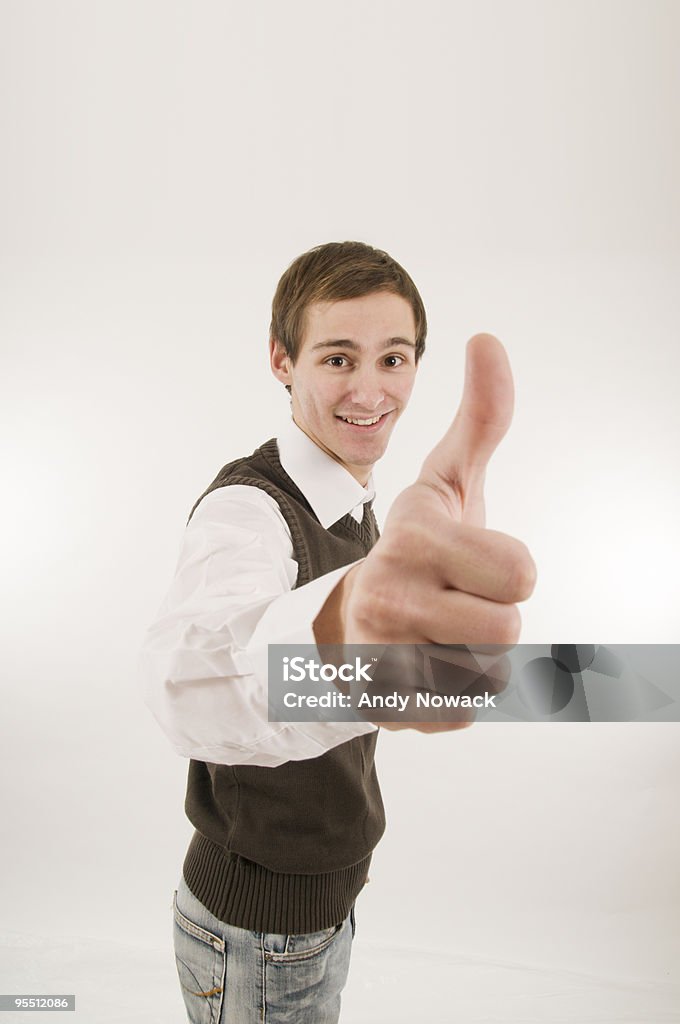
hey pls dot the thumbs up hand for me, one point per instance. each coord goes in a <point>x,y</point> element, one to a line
<point>437,576</point>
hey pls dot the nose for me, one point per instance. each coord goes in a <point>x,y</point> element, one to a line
<point>367,392</point>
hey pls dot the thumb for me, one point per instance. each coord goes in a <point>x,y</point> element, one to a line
<point>457,464</point>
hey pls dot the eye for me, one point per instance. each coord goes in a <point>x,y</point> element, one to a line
<point>332,362</point>
<point>397,357</point>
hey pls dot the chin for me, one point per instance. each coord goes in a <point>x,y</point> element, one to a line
<point>365,457</point>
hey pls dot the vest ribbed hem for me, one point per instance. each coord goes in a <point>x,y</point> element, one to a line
<point>248,895</point>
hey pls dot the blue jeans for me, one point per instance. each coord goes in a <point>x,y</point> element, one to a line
<point>230,975</point>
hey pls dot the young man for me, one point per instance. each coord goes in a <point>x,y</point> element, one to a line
<point>283,548</point>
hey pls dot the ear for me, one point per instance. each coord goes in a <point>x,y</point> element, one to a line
<point>279,361</point>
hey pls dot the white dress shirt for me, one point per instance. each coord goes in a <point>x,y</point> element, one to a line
<point>203,663</point>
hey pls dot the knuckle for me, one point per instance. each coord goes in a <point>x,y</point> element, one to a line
<point>522,574</point>
<point>375,604</point>
<point>405,537</point>
<point>509,625</point>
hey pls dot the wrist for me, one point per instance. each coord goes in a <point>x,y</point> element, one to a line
<point>329,626</point>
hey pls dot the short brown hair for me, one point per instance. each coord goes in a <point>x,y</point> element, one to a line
<point>335,271</point>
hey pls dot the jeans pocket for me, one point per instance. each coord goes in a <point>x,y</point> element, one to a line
<point>293,948</point>
<point>200,958</point>
<point>352,920</point>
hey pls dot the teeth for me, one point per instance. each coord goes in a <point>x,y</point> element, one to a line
<point>361,423</point>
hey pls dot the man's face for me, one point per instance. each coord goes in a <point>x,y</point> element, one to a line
<point>356,362</point>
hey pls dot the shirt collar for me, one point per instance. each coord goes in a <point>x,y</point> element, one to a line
<point>330,489</point>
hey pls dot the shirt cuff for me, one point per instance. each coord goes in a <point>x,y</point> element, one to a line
<point>289,618</point>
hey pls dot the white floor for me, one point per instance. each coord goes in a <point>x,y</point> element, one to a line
<point>130,985</point>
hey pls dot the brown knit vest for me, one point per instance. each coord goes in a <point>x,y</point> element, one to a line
<point>287,849</point>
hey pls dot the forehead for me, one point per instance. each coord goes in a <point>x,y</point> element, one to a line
<point>368,319</point>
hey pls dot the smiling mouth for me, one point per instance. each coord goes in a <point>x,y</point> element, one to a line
<point>364,422</point>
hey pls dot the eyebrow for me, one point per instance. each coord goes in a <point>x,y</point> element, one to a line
<point>348,343</point>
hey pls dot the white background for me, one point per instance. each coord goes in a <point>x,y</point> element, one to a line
<point>163,162</point>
